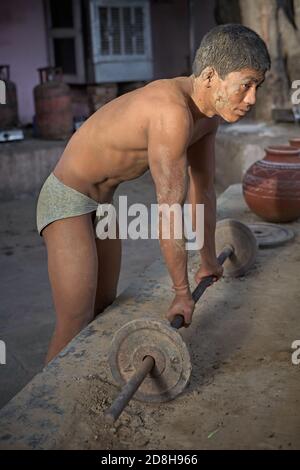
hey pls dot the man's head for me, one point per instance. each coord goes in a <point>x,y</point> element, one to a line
<point>231,63</point>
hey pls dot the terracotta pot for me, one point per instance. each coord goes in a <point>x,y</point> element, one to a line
<point>295,143</point>
<point>271,186</point>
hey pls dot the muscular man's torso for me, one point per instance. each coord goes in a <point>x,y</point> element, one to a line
<point>111,146</point>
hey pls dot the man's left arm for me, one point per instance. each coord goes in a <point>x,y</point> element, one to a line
<point>201,161</point>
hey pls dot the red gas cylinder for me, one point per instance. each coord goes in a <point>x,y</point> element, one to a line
<point>53,105</point>
<point>8,111</point>
<point>271,186</point>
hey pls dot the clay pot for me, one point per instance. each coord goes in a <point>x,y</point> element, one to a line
<point>271,186</point>
<point>295,143</point>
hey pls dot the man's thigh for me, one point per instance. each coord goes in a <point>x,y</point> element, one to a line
<point>72,265</point>
<point>109,253</point>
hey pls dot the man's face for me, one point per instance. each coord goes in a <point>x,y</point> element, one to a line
<point>236,93</point>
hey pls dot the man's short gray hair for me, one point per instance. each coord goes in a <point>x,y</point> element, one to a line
<point>231,47</point>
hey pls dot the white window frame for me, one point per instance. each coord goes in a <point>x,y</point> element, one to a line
<point>103,60</point>
<point>76,33</point>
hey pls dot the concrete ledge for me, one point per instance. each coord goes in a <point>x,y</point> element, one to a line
<point>244,387</point>
<point>25,165</point>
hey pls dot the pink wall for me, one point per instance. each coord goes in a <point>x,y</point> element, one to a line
<point>23,47</point>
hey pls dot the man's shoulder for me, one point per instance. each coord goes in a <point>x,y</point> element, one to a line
<point>167,104</point>
<point>166,93</point>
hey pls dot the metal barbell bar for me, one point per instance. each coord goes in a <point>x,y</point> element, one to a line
<point>241,252</point>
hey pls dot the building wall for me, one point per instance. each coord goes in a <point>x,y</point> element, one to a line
<point>177,29</point>
<point>201,21</point>
<point>170,38</point>
<point>23,47</point>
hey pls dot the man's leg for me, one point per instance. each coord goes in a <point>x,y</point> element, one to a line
<point>73,270</point>
<point>109,263</point>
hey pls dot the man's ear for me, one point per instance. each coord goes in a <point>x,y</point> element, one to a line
<point>208,74</point>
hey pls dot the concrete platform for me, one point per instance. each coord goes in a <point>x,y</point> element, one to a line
<point>244,390</point>
<point>25,165</point>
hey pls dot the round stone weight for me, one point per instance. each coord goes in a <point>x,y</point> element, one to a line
<point>231,232</point>
<point>146,337</point>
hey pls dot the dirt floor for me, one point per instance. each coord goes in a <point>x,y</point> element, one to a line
<point>26,307</point>
<point>244,389</point>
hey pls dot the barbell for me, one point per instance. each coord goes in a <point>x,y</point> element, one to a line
<point>148,358</point>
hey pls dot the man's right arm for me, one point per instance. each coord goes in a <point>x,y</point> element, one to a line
<point>168,137</point>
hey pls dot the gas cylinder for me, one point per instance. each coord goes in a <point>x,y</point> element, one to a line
<point>8,111</point>
<point>53,105</point>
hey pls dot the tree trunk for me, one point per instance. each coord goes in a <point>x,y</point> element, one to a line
<point>263,17</point>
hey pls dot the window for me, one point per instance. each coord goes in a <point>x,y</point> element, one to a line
<point>65,39</point>
<point>121,40</point>
<point>121,30</point>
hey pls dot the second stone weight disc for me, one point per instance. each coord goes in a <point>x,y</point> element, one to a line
<point>271,235</point>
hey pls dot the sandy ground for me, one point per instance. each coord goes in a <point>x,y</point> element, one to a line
<point>26,307</point>
<point>244,389</point>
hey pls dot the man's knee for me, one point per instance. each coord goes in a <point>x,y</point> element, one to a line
<point>76,318</point>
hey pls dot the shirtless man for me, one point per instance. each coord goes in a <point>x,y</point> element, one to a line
<point>169,127</point>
